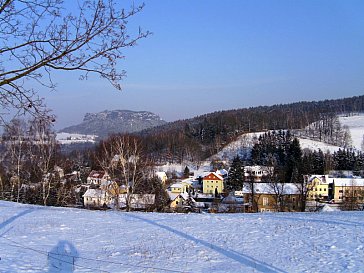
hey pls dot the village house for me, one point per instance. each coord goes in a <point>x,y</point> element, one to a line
<point>138,201</point>
<point>213,183</point>
<point>97,177</point>
<point>256,173</point>
<point>334,189</point>
<point>318,188</point>
<point>348,188</point>
<point>98,198</point>
<point>183,186</point>
<point>270,197</point>
<point>230,203</point>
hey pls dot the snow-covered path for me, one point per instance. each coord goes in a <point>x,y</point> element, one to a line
<point>37,239</point>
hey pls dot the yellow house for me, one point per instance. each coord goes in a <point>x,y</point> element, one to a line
<point>346,188</point>
<point>213,182</point>
<point>179,201</point>
<point>181,187</point>
<point>326,188</point>
<point>271,197</point>
<point>318,188</point>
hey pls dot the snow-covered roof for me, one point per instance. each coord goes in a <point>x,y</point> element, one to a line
<point>96,174</point>
<point>215,174</point>
<point>342,182</point>
<point>176,185</point>
<point>231,199</point>
<point>94,193</point>
<point>172,195</point>
<point>338,181</point>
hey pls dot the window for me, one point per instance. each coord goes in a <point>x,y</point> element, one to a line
<point>265,201</point>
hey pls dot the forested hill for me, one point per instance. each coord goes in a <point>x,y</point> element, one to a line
<point>198,138</point>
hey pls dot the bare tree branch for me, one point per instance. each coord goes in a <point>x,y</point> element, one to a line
<point>40,37</point>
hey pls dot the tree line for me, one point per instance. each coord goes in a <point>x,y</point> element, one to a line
<point>33,169</point>
<point>200,137</point>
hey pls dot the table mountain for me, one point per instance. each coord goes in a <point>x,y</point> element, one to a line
<point>117,121</point>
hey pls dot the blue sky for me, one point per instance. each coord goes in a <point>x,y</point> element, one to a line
<point>210,55</point>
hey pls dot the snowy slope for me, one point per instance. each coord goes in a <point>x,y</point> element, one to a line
<point>243,145</point>
<point>37,239</point>
<point>316,145</point>
<point>356,128</point>
<point>245,142</point>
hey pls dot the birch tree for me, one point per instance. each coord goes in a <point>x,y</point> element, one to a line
<point>122,157</point>
<point>43,154</point>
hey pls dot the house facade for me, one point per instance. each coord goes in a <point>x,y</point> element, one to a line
<point>271,197</point>
<point>319,188</point>
<point>212,183</point>
<point>348,189</point>
<point>96,198</point>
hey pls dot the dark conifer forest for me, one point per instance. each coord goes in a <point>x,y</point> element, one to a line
<point>200,137</point>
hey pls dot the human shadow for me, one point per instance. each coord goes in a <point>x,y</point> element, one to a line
<point>62,257</point>
<point>13,218</point>
<point>241,258</point>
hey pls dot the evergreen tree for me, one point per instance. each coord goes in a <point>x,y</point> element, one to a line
<point>186,172</point>
<point>236,174</point>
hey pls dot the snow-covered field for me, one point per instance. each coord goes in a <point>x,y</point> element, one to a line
<point>38,239</point>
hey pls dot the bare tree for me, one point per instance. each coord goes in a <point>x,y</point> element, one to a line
<point>122,157</point>
<point>304,186</point>
<point>43,153</point>
<point>16,152</point>
<point>40,37</point>
<point>353,197</point>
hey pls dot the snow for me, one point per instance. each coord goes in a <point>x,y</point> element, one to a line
<point>66,138</point>
<point>316,145</point>
<point>46,239</point>
<point>356,127</point>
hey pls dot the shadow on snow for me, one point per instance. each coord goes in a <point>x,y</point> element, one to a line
<point>62,257</point>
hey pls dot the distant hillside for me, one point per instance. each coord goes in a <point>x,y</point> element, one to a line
<point>117,121</point>
<point>200,137</point>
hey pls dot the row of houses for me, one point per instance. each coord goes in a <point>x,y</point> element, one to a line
<point>270,197</point>
<point>326,188</point>
<point>208,192</point>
